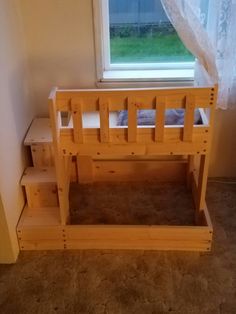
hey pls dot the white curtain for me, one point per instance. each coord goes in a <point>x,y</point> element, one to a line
<point>214,44</point>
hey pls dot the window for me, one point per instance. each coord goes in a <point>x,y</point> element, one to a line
<point>136,41</point>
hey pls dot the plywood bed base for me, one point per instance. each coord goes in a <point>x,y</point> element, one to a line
<point>52,229</point>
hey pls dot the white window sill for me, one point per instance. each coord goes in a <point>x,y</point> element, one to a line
<point>133,78</point>
<point>148,75</point>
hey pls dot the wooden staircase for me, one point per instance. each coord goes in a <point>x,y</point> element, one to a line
<point>41,211</point>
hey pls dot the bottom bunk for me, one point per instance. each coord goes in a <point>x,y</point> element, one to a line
<point>142,215</point>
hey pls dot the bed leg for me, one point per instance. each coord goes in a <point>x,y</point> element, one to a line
<point>202,180</point>
<point>190,168</point>
<point>63,167</point>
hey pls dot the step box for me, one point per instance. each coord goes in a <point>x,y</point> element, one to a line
<point>42,155</point>
<point>41,195</point>
<point>40,187</point>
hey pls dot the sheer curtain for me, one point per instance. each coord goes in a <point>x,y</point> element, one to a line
<point>215,44</point>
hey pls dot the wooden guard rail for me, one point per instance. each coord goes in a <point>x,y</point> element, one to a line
<point>103,102</point>
<point>157,139</point>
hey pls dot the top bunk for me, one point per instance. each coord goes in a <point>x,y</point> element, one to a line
<point>146,121</point>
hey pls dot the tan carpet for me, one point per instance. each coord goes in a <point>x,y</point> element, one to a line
<point>131,203</point>
<point>124,282</point>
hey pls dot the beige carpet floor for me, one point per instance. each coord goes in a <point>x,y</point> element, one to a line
<point>125,282</point>
<point>131,203</point>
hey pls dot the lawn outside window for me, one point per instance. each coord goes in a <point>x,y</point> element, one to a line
<point>136,42</point>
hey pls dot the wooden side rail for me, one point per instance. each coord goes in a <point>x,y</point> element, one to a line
<point>192,138</point>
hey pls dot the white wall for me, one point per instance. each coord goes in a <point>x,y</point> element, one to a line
<point>7,255</point>
<point>16,112</point>
<point>60,45</point>
<point>223,154</point>
<point>61,51</point>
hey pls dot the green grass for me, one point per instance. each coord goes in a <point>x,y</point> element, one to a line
<point>160,48</point>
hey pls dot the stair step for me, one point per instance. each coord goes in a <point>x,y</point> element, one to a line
<point>33,175</point>
<point>40,187</point>
<point>39,132</point>
<point>43,216</point>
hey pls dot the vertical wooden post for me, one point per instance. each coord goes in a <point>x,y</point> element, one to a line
<point>63,181</point>
<point>202,180</point>
<point>104,120</point>
<point>204,159</point>
<point>61,162</point>
<point>160,119</point>
<point>132,120</point>
<point>189,118</point>
<point>77,116</point>
<point>190,169</point>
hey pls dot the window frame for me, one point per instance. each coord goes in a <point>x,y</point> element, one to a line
<point>106,71</point>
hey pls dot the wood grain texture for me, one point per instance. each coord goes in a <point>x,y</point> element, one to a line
<point>41,228</point>
<point>77,112</point>
<point>49,234</point>
<point>132,120</point>
<point>160,119</point>
<point>189,118</point>
<point>85,169</point>
<point>104,119</point>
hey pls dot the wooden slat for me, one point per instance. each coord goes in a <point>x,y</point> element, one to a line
<point>138,170</point>
<point>95,149</point>
<point>76,108</point>
<point>116,237</point>
<point>144,134</point>
<point>34,245</point>
<point>189,118</point>
<point>197,246</point>
<point>154,245</point>
<point>132,120</point>
<point>160,119</point>
<point>132,232</point>
<point>69,93</point>
<point>104,119</point>
<point>118,103</point>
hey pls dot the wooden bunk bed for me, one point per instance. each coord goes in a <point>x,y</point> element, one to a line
<point>51,229</point>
